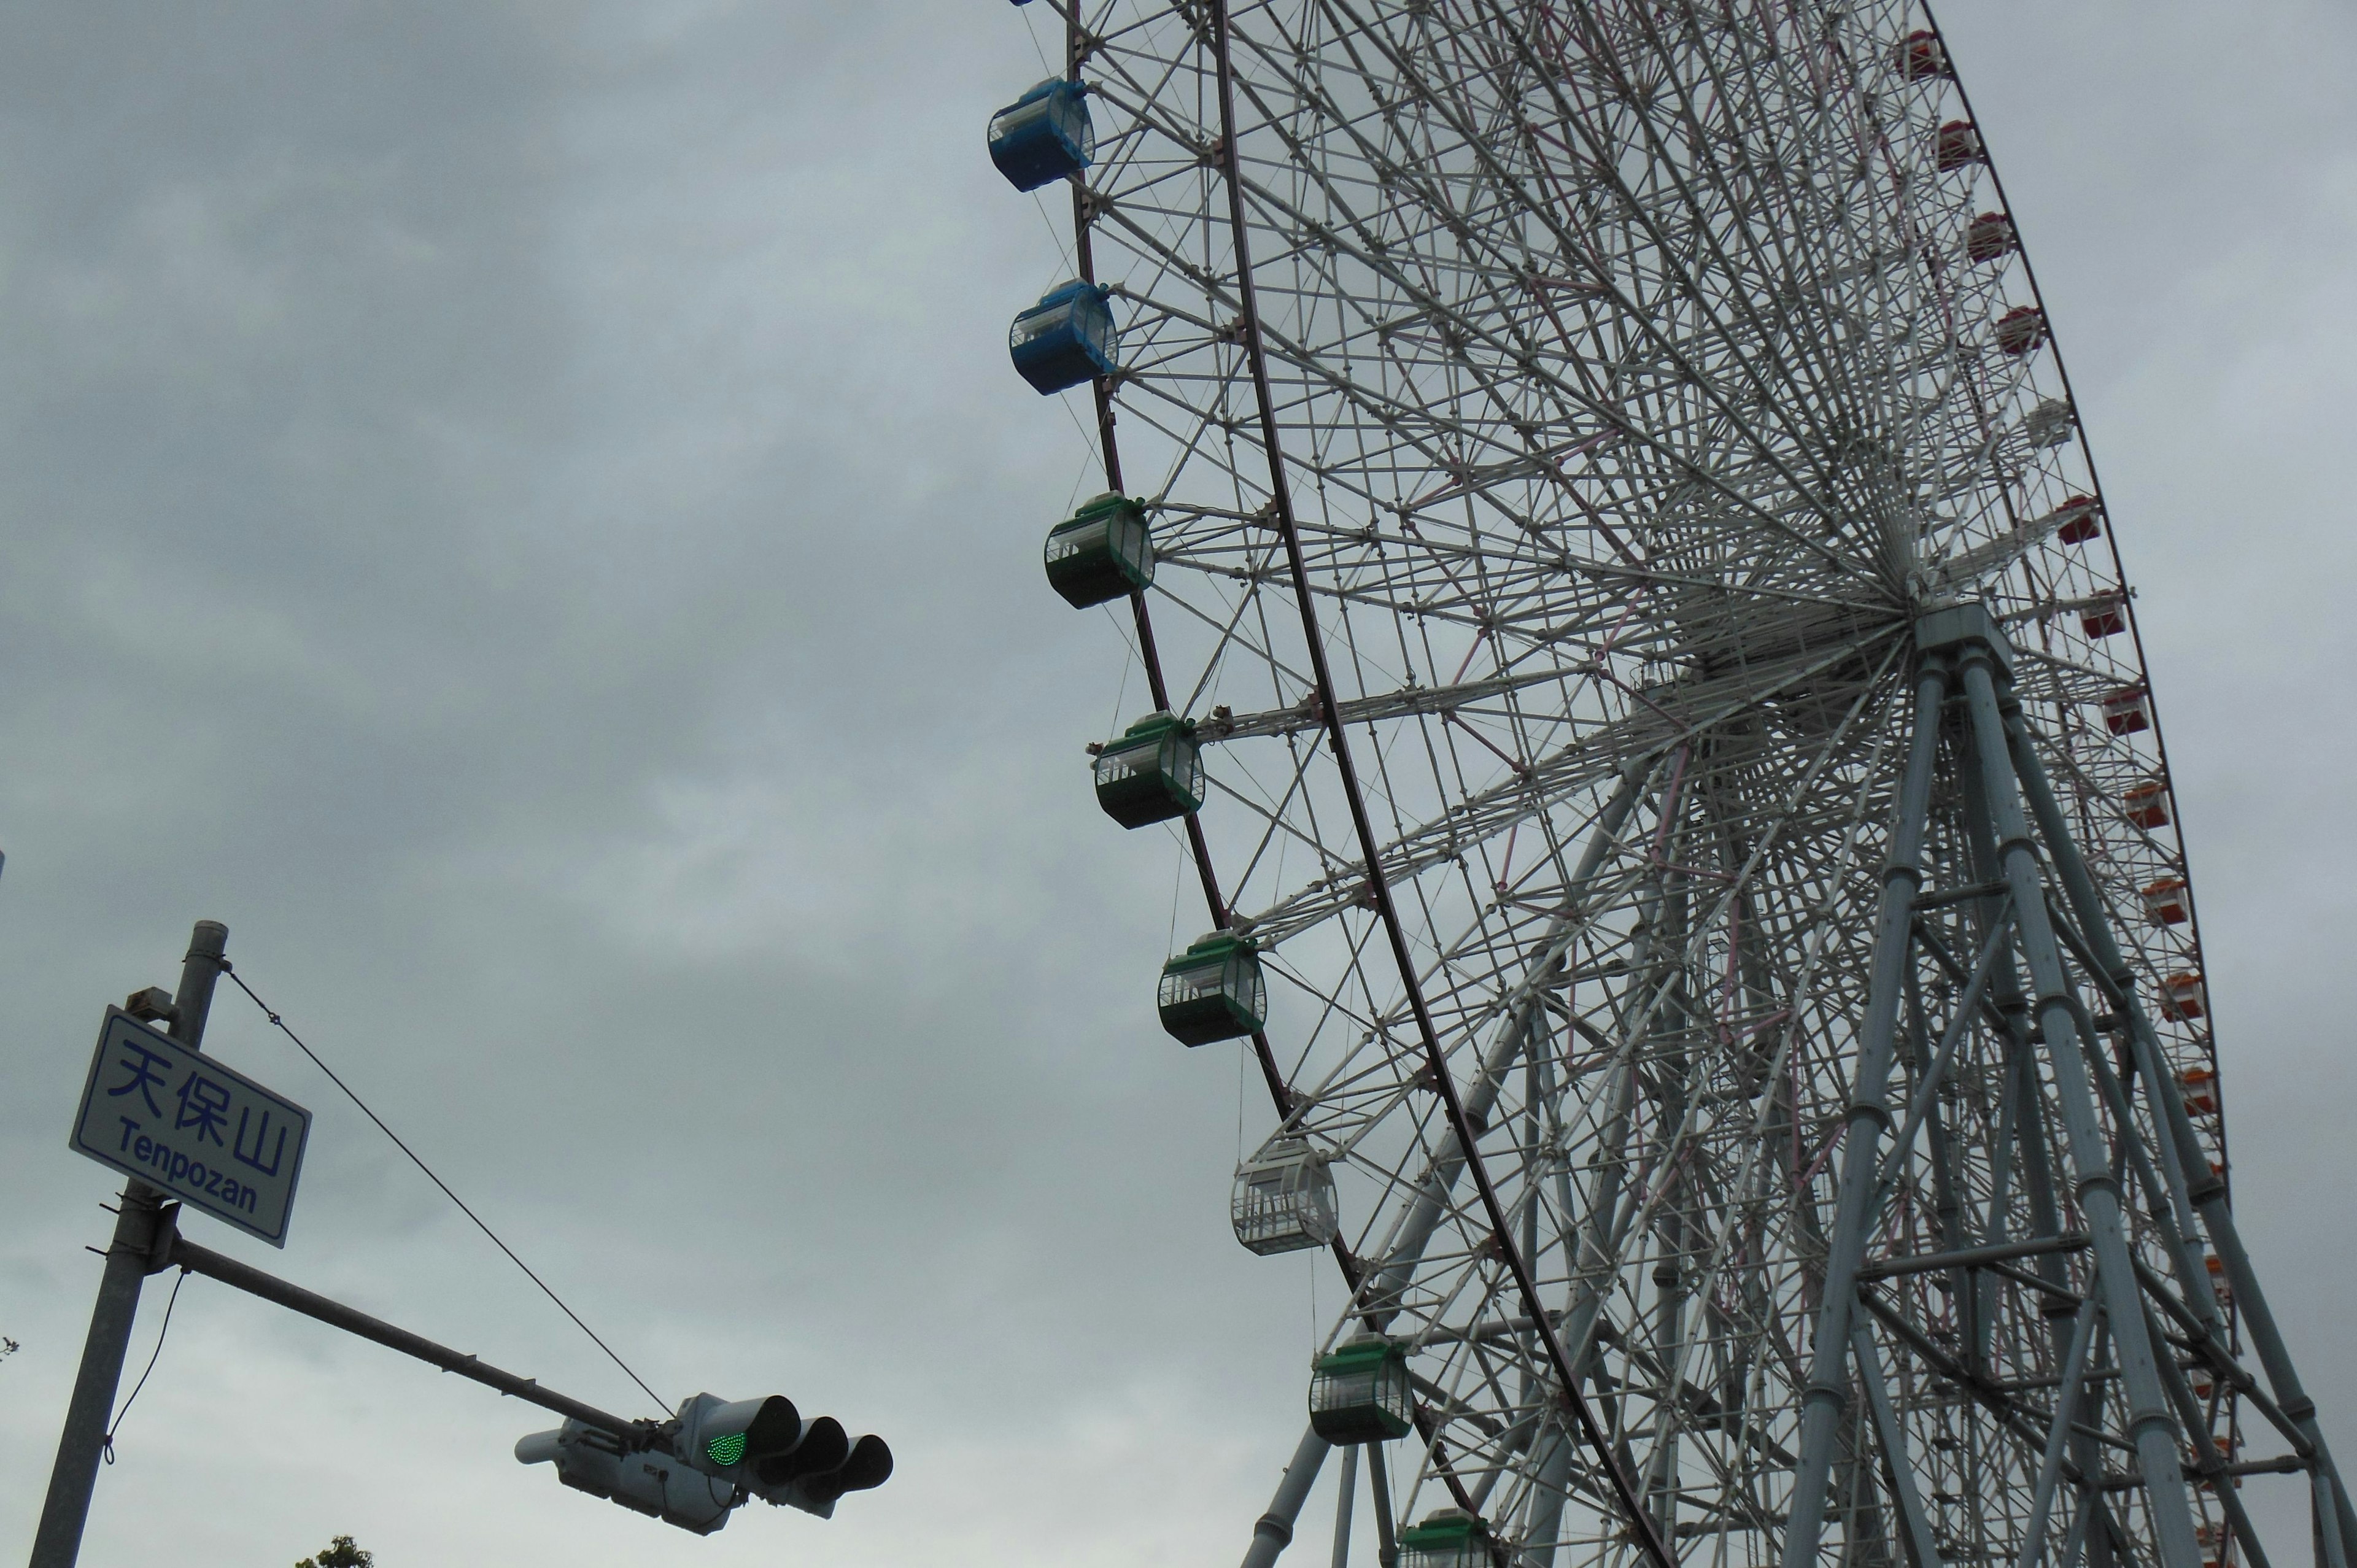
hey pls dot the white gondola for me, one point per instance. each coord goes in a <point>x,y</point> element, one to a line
<point>1283,1198</point>
<point>2048,424</point>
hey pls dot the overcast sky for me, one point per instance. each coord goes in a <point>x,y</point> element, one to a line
<point>522,511</point>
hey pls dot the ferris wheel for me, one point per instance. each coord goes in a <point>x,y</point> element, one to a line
<point>1640,669</point>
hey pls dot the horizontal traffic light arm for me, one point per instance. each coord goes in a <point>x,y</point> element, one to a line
<point>185,1254</point>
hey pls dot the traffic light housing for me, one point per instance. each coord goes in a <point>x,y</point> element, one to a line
<point>712,1456</point>
<point>829,1464</point>
<point>650,1482</point>
<point>767,1447</point>
<point>727,1439</point>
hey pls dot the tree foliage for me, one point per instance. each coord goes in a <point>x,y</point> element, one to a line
<point>341,1553</point>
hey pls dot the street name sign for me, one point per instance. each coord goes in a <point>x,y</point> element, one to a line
<point>180,1121</point>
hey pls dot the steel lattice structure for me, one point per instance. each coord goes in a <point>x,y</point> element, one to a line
<point>1678,744</point>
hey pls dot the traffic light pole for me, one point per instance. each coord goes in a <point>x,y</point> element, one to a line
<point>130,1259</point>
<point>770,1452</point>
<point>182,1253</point>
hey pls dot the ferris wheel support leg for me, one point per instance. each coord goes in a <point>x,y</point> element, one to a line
<point>1827,1391</point>
<point>1273,1531</point>
<point>2057,1436</point>
<point>2259,1321</point>
<point>1547,1499</point>
<point>1893,1439</point>
<point>2333,1547</point>
<point>2067,1032</point>
<point>1343,1491</point>
<point>2177,1146</point>
<point>2206,1192</point>
<point>1379,1486</point>
<point>2025,1142</point>
<point>2211,1462</point>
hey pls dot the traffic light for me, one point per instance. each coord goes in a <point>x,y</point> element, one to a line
<point>713,1455</point>
<point>651,1483</point>
<point>765,1446</point>
<point>726,1440</point>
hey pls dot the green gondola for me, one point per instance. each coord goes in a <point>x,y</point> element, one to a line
<point>1449,1539</point>
<point>1153,773</point>
<point>1360,1392</point>
<point>1102,552</point>
<point>1214,990</point>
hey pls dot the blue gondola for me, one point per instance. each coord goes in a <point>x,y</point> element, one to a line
<point>1064,341</point>
<point>1043,135</point>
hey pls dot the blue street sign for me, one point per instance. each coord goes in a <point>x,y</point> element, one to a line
<point>179,1121</point>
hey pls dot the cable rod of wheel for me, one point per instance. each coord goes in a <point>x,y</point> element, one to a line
<point>1387,911</point>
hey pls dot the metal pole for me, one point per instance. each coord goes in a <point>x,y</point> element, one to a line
<point>129,1260</point>
<point>2207,1193</point>
<point>1273,1531</point>
<point>2212,1464</point>
<point>1415,1230</point>
<point>2057,1435</point>
<point>1827,1390</point>
<point>2024,1133</point>
<point>1350,1484</point>
<point>185,1254</point>
<point>1379,1483</point>
<point>2149,1422</point>
<point>1923,1549</point>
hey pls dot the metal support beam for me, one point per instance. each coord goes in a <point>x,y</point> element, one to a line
<point>1972,1257</point>
<point>1892,1439</point>
<point>1379,1479</point>
<point>2207,1193</point>
<point>57,1543</point>
<point>1273,1531</point>
<point>2097,1189</point>
<point>2212,1464</point>
<point>1415,1228</point>
<point>1343,1492</point>
<point>1546,1502</point>
<point>2057,1436</point>
<point>1828,1385</point>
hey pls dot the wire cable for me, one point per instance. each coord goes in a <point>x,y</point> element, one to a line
<point>280,1025</point>
<point>107,1442</point>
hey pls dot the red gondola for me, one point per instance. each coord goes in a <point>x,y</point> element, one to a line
<point>2021,330</point>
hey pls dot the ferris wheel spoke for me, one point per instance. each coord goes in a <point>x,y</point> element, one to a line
<point>1660,721</point>
<point>1472,143</point>
<point>1295,354</point>
<point>1712,222</point>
